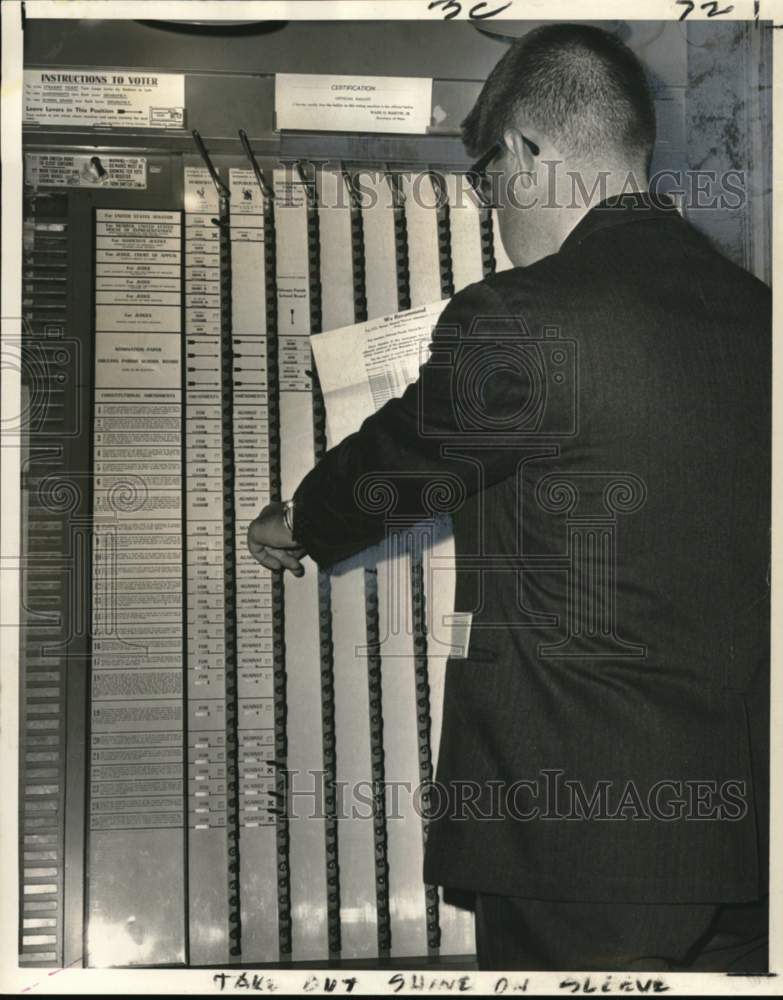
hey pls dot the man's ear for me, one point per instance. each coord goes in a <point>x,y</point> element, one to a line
<point>522,155</point>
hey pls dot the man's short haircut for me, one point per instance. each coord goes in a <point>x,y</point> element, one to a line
<point>581,86</point>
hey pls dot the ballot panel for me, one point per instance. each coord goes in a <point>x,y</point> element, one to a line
<point>253,748</point>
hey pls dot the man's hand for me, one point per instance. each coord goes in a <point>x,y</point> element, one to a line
<point>270,541</point>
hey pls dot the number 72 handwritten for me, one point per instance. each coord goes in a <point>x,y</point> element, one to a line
<point>711,6</point>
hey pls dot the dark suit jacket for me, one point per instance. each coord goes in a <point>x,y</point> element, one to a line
<point>601,422</point>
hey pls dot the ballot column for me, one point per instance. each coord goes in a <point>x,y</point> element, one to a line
<point>423,202</point>
<point>465,235</point>
<point>258,835</point>
<point>377,261</point>
<point>342,303</point>
<point>135,851</point>
<point>208,860</point>
<point>386,277</point>
<point>305,759</point>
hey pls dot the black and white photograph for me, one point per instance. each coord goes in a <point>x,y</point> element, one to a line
<point>389,469</point>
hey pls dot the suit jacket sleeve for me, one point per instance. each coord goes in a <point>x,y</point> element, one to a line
<point>399,460</point>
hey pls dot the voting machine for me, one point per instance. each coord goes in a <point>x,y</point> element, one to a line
<point>207,748</point>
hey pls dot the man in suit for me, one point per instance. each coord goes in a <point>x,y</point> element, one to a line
<point>604,409</point>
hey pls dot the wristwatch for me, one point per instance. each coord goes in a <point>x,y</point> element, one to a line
<point>288,515</point>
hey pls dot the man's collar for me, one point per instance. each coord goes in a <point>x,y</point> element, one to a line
<point>637,206</point>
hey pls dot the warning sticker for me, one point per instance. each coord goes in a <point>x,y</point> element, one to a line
<point>104,97</point>
<point>85,171</point>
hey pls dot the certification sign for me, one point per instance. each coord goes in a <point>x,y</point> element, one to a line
<point>324,102</point>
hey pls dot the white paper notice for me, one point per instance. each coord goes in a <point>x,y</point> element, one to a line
<point>325,102</point>
<point>364,365</point>
<point>104,97</point>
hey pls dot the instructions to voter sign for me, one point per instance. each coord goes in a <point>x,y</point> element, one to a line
<point>104,97</point>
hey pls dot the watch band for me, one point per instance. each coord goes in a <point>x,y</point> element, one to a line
<point>288,515</point>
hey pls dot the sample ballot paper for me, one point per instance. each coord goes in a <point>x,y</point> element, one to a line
<point>362,366</point>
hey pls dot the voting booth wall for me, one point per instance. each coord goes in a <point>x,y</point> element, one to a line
<point>208,749</point>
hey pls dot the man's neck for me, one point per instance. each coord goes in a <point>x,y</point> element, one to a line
<point>563,204</point>
<point>591,189</point>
